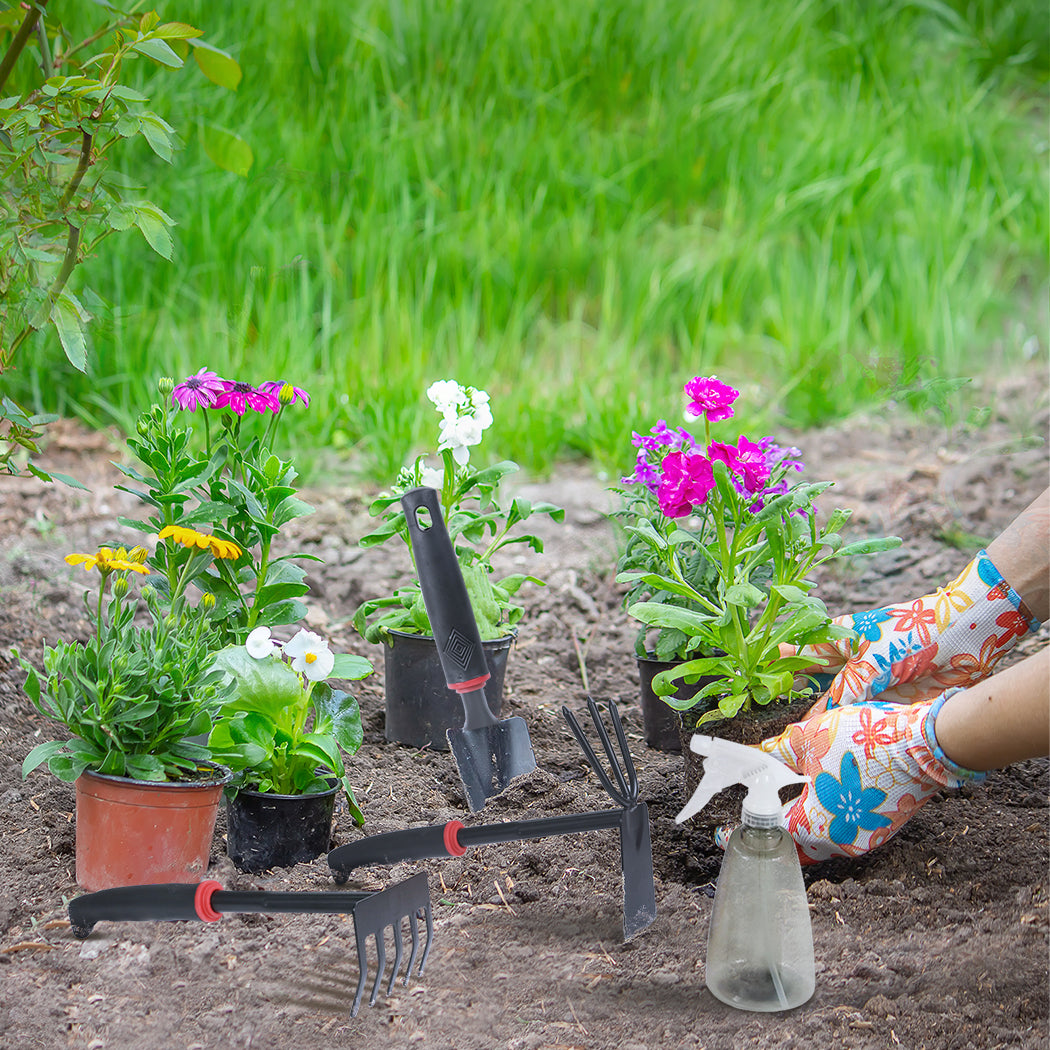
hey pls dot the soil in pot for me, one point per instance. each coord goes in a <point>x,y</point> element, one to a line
<point>136,832</point>
<point>420,707</point>
<point>265,831</point>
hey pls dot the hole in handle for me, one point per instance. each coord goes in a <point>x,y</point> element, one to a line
<point>423,518</point>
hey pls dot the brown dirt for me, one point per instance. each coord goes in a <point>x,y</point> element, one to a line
<point>937,940</point>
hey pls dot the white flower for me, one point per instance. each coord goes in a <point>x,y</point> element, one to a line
<point>260,644</point>
<point>310,655</point>
<point>431,478</point>
<point>447,395</point>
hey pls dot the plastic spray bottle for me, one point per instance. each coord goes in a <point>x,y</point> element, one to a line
<point>760,940</point>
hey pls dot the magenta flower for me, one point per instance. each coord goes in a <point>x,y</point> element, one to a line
<point>710,397</point>
<point>746,462</point>
<point>687,480</point>
<point>644,474</point>
<point>274,386</point>
<point>242,396</point>
<point>202,389</point>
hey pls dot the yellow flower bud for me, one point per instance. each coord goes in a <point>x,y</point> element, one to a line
<point>120,587</point>
<point>208,600</point>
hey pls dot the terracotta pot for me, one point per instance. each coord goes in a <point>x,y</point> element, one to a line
<point>746,728</point>
<point>420,707</point>
<point>662,724</point>
<point>265,831</point>
<point>134,832</point>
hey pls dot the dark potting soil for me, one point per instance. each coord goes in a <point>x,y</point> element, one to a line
<point>939,939</point>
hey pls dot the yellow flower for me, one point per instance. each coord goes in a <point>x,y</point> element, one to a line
<point>106,561</point>
<point>192,538</point>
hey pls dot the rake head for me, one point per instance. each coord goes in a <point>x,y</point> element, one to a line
<point>379,912</point>
<point>622,781</point>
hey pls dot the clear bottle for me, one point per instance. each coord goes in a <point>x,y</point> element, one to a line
<point>760,939</point>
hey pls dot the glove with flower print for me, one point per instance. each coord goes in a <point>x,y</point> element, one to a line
<point>871,766</point>
<point>914,651</point>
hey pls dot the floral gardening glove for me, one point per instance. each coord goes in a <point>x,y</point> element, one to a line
<point>872,766</point>
<point>914,651</point>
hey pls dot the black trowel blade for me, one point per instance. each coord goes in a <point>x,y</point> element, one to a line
<point>489,758</point>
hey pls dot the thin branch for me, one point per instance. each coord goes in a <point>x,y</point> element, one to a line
<point>83,163</point>
<point>25,31</point>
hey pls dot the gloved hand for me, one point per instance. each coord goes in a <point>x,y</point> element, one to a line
<point>914,651</point>
<point>871,766</point>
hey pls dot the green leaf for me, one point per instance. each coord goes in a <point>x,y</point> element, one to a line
<point>658,615</point>
<point>176,31</point>
<point>41,753</point>
<point>70,319</point>
<point>268,686</point>
<point>281,613</point>
<point>351,668</point>
<point>159,52</point>
<point>345,715</point>
<point>154,225</point>
<point>745,595</point>
<point>159,134</point>
<point>227,150</point>
<point>873,546</point>
<point>219,67</point>
<point>788,592</point>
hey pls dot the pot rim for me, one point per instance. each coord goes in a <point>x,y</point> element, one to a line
<point>227,776</point>
<point>510,636</point>
<point>334,780</point>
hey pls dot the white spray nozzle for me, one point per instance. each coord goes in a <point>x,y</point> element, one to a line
<point>727,763</point>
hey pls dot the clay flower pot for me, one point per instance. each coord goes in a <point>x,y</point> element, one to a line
<point>420,707</point>
<point>136,832</point>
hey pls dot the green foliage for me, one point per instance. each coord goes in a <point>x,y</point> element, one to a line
<point>61,194</point>
<point>284,734</point>
<point>229,480</point>
<point>131,695</point>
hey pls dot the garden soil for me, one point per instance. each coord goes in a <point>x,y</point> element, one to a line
<point>938,940</point>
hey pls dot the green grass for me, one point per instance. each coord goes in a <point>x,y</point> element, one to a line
<point>578,205</point>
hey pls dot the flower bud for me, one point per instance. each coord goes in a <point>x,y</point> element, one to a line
<point>148,592</point>
<point>138,554</point>
<point>166,386</point>
<point>120,587</point>
<point>286,395</point>
<point>142,426</point>
<point>207,600</point>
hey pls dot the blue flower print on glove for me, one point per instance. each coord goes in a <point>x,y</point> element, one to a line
<point>853,805</point>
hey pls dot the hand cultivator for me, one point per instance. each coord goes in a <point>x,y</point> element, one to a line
<point>373,914</point>
<point>453,839</point>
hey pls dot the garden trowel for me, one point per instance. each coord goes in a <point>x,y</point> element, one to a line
<point>489,753</point>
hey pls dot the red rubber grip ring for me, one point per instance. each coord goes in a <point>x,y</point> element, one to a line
<point>452,830</point>
<point>202,901</point>
<point>472,686</point>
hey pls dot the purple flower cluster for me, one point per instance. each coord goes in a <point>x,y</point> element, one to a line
<point>207,390</point>
<point>672,467</point>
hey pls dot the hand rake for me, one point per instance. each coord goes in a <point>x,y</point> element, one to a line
<point>373,914</point>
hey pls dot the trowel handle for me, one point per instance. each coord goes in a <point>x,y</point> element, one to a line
<point>444,593</point>
<point>173,900</point>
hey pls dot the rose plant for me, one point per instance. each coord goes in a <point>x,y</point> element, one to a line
<point>285,728</point>
<point>478,524</point>
<point>721,543</point>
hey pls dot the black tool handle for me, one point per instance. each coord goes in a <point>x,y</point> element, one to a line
<point>444,593</point>
<point>173,900</point>
<point>453,838</point>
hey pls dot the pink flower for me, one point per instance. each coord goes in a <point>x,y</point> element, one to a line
<point>746,461</point>
<point>242,396</point>
<point>710,397</point>
<point>274,386</point>
<point>201,389</point>
<point>687,481</point>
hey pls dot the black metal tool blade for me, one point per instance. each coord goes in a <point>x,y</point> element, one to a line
<point>489,753</point>
<point>636,860</point>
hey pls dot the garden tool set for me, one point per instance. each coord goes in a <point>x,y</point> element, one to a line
<point>374,914</point>
<point>489,753</point>
<point>453,839</point>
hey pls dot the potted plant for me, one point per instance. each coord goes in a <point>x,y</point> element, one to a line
<point>283,733</point>
<point>727,560</point>
<point>129,698</point>
<point>419,706</point>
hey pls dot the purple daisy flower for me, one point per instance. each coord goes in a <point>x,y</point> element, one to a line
<point>274,386</point>
<point>202,389</point>
<point>242,396</point>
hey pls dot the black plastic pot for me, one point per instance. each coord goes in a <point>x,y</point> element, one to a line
<point>276,831</point>
<point>420,707</point>
<point>662,724</point>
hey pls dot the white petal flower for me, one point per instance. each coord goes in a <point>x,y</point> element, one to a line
<point>447,395</point>
<point>310,655</point>
<point>431,478</point>
<point>259,643</point>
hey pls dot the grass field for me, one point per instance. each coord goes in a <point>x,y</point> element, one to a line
<point>578,204</point>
